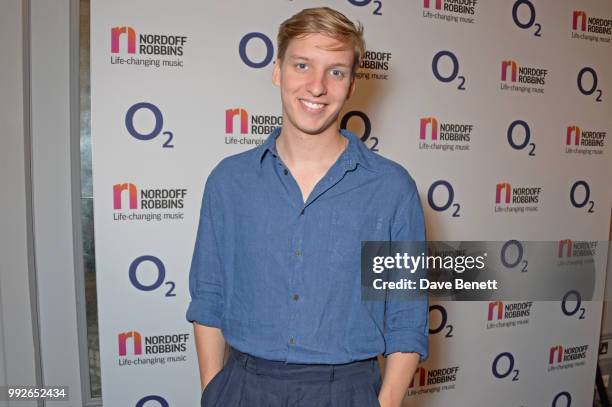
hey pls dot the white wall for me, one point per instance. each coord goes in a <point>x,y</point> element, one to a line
<point>17,332</point>
<point>52,37</point>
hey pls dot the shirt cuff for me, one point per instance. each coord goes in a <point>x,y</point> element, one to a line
<point>407,342</point>
<point>200,311</point>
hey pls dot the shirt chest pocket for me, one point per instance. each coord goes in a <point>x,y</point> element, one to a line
<point>349,230</point>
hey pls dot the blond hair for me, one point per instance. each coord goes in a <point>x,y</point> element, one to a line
<point>322,20</point>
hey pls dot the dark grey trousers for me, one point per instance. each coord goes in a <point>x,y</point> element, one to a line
<point>247,381</point>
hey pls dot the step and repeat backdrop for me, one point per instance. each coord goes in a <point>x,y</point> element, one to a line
<point>501,112</point>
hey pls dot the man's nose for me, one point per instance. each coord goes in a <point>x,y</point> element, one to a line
<point>317,86</point>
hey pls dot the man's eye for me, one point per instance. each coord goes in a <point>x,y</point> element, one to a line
<point>337,72</point>
<point>301,65</point>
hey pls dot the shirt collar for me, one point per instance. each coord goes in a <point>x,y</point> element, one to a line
<point>355,153</point>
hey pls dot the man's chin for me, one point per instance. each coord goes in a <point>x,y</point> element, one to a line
<point>315,129</point>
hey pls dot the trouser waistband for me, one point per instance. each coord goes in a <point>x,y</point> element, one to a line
<point>289,371</point>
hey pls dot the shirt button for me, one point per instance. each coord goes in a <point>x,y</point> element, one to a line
<point>297,253</point>
<point>292,341</point>
<point>296,297</point>
<point>285,171</point>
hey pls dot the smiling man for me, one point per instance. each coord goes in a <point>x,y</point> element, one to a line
<point>276,266</point>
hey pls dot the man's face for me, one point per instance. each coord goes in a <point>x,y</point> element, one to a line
<point>315,80</point>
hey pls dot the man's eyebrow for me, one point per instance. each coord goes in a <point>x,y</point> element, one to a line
<point>302,58</point>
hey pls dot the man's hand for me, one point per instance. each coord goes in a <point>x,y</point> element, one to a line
<point>210,346</point>
<point>399,370</point>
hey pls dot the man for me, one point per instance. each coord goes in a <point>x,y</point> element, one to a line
<point>276,265</point>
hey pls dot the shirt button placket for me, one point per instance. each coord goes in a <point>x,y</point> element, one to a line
<point>296,281</point>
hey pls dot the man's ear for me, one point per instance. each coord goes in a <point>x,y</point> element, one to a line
<point>276,74</point>
<point>351,88</point>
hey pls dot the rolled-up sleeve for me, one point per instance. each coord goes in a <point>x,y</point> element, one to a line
<point>406,320</point>
<point>205,275</point>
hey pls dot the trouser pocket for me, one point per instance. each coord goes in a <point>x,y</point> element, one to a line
<point>214,386</point>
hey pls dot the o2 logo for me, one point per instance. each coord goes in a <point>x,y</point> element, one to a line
<point>581,184</point>
<point>263,38</point>
<point>515,260</point>
<point>157,128</point>
<point>443,321</point>
<point>159,402</point>
<point>367,127</point>
<point>593,89</point>
<point>565,396</point>
<point>508,370</point>
<point>570,311</point>
<point>526,138</point>
<point>435,63</point>
<point>361,3</point>
<point>450,199</point>
<point>532,16</point>
<point>160,271</point>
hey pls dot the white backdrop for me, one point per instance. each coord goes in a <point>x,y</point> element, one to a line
<point>164,75</point>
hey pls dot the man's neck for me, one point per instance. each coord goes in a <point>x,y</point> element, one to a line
<point>301,150</point>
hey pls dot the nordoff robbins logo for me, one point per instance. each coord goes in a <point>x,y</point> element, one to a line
<point>457,11</point>
<point>244,128</point>
<point>444,136</point>
<point>586,27</point>
<point>128,47</point>
<point>584,141</point>
<point>515,77</point>
<point>131,203</point>
<point>434,377</point>
<point>509,198</point>
<point>506,315</point>
<point>566,357</point>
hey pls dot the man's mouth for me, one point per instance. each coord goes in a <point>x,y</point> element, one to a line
<point>312,106</point>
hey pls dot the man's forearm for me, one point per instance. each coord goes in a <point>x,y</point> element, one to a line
<point>210,347</point>
<point>399,370</point>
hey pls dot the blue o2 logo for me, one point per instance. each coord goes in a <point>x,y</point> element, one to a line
<point>517,143</point>
<point>583,77</point>
<point>441,206</point>
<point>503,366</point>
<point>158,126</point>
<point>361,3</point>
<point>573,309</point>
<point>580,196</point>
<point>156,401</point>
<point>433,330</point>
<point>367,127</point>
<point>262,38</point>
<point>526,7</point>
<point>454,74</point>
<point>563,399</point>
<point>511,255</point>
<point>159,271</point>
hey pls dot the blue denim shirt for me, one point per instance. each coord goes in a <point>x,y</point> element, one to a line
<point>281,277</point>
